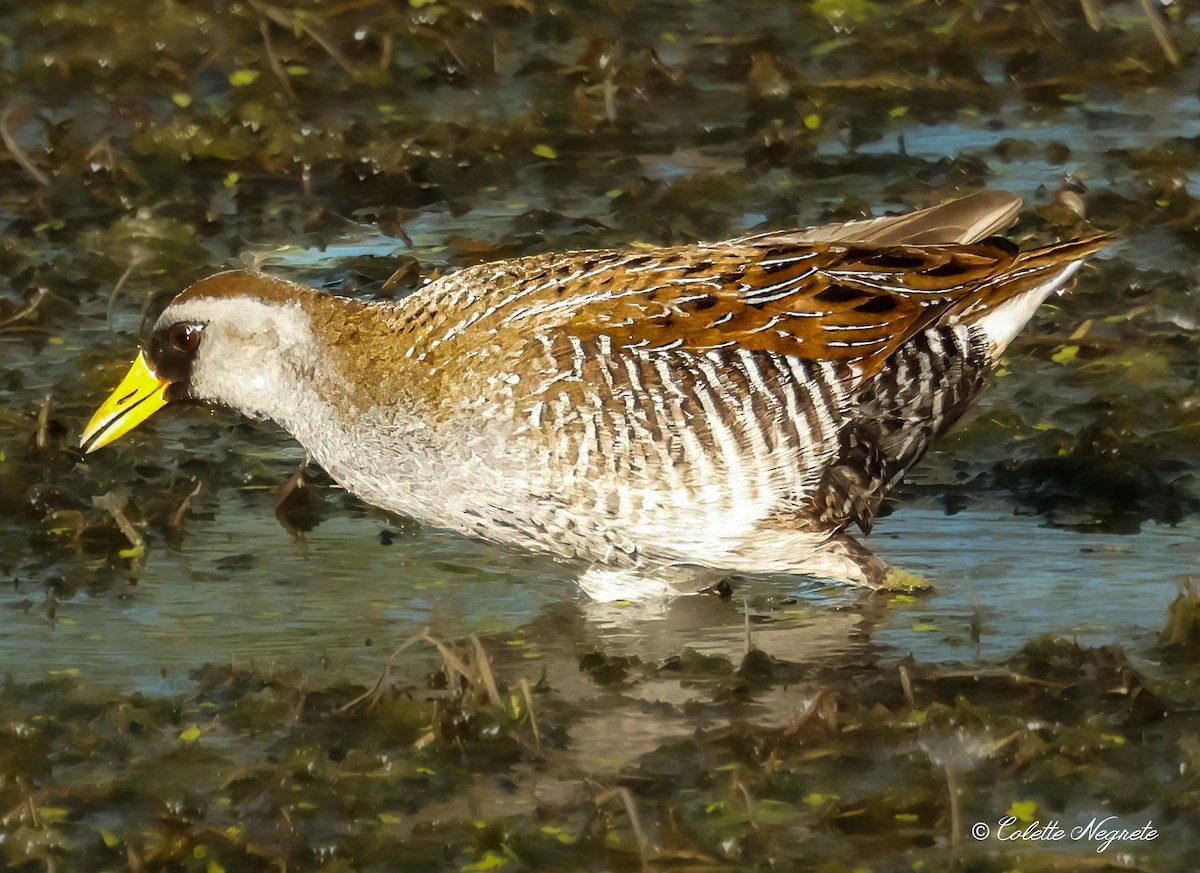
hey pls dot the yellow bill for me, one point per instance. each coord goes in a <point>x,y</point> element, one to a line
<point>140,394</point>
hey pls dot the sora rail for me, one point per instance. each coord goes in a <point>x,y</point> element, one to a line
<point>661,416</point>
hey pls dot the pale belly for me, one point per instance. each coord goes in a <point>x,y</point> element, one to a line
<point>605,521</point>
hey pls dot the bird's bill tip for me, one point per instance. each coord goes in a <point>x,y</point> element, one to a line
<point>141,393</point>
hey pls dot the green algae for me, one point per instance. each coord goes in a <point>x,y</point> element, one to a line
<point>366,145</point>
<point>254,769</point>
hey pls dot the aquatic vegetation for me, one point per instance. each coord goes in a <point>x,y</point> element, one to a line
<point>366,145</point>
<point>848,764</point>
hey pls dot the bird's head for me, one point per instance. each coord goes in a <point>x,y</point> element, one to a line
<point>224,340</point>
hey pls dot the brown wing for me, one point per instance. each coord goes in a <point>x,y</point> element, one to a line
<point>842,303</point>
<point>826,302</point>
<point>842,306</point>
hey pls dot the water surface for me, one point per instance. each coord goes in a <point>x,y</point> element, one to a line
<point>191,707</point>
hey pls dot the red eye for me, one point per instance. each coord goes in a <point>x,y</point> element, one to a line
<point>185,337</point>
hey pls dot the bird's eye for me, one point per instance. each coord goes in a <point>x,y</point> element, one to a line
<point>185,337</point>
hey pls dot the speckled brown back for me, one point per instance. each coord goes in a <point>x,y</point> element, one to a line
<point>840,303</point>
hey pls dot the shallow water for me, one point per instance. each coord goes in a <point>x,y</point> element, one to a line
<point>185,706</point>
<point>241,589</point>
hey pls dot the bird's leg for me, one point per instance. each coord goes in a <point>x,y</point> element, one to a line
<point>290,496</point>
<point>844,559</point>
<point>722,588</point>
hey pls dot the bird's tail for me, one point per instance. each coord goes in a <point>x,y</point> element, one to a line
<point>1035,275</point>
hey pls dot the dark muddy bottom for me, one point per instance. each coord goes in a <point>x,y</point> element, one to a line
<point>207,700</point>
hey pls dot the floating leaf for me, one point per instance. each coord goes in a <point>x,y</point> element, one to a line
<point>775,812</point>
<point>1023,810</point>
<point>845,10</point>
<point>1065,355</point>
<point>241,78</point>
<point>558,834</point>
<point>514,707</point>
<point>489,861</point>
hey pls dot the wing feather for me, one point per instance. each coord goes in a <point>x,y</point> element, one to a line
<point>960,222</point>
<point>847,304</point>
